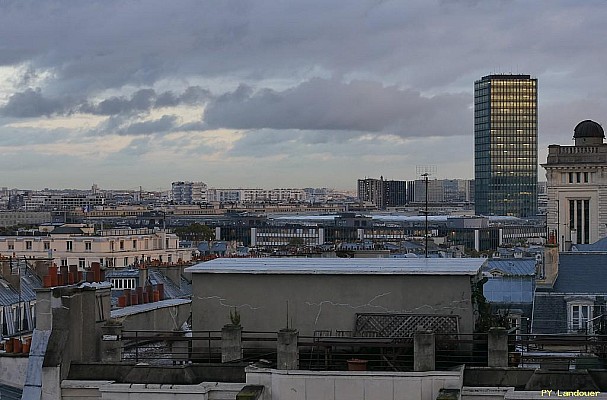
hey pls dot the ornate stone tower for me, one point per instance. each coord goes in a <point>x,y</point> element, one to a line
<point>577,187</point>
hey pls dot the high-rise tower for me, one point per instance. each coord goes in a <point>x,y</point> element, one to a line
<point>505,145</point>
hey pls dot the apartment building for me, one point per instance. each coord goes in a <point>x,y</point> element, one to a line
<point>80,245</point>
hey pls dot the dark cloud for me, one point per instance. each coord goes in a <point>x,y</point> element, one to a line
<point>32,103</point>
<point>328,104</point>
<point>145,100</point>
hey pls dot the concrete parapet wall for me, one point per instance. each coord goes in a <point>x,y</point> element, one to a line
<point>312,385</point>
<point>72,390</point>
<point>12,370</point>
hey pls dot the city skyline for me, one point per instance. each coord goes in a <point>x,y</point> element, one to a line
<point>314,94</point>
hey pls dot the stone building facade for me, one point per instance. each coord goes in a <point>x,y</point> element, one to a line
<point>577,187</point>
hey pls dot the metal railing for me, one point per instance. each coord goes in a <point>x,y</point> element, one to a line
<point>563,351</point>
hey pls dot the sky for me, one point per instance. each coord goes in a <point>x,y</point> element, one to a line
<point>310,93</point>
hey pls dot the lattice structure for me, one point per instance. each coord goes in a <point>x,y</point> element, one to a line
<point>403,325</point>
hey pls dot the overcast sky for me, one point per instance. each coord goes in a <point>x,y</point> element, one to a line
<point>314,93</point>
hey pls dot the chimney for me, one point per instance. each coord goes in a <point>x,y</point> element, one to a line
<point>143,274</point>
<point>173,272</point>
<point>7,273</point>
<point>549,266</point>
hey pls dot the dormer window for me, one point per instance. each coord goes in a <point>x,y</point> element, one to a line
<point>580,316</point>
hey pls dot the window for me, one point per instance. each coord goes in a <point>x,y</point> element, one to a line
<point>122,245</point>
<point>580,314</point>
<point>112,245</point>
<point>134,245</point>
<point>81,263</point>
<point>126,261</point>
<point>47,245</point>
<point>11,245</point>
<point>88,246</point>
<point>69,245</point>
<point>64,262</point>
<point>28,245</point>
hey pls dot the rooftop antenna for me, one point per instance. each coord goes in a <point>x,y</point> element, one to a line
<point>424,171</point>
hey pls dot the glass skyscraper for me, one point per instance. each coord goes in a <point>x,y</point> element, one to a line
<point>505,145</point>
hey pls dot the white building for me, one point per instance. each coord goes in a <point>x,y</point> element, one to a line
<point>79,245</point>
<point>189,192</point>
<point>577,187</point>
<point>256,195</point>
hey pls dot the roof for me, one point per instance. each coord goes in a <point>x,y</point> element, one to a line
<point>29,283</point>
<point>10,392</point>
<point>171,289</point>
<point>509,289</point>
<point>549,313</point>
<point>122,273</point>
<point>140,308</point>
<point>599,245</point>
<point>583,273</point>
<point>341,266</point>
<point>67,230</point>
<point>512,266</point>
<point>588,128</point>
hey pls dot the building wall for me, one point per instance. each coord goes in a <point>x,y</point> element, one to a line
<point>321,302</point>
<point>114,248</point>
<point>12,370</point>
<point>310,385</point>
<point>12,218</point>
<point>72,390</point>
<point>562,168</point>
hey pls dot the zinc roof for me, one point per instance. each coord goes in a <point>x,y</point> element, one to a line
<point>339,266</point>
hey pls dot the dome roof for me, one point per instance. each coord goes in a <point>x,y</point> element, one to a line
<point>588,129</point>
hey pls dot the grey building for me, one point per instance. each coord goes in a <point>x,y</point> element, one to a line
<point>329,294</point>
<point>382,193</point>
<point>505,145</point>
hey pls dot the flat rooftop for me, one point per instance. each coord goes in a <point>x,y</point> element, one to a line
<point>341,266</point>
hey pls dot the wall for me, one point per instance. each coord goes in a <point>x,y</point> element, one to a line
<point>12,370</point>
<point>310,385</point>
<point>318,302</point>
<point>72,390</point>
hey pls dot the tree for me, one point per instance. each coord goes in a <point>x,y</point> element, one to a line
<point>195,232</point>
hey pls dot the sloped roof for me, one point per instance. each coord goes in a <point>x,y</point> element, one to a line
<point>599,245</point>
<point>29,283</point>
<point>512,266</point>
<point>509,289</point>
<point>582,273</point>
<point>171,289</point>
<point>122,273</point>
<point>549,313</point>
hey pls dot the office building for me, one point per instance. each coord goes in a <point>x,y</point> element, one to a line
<point>382,193</point>
<point>505,145</point>
<point>577,187</point>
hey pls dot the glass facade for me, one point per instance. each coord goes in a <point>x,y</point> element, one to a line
<point>505,145</point>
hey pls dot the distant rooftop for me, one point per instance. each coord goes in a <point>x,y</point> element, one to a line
<point>341,266</point>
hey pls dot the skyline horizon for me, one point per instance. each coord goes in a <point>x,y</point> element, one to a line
<point>273,93</point>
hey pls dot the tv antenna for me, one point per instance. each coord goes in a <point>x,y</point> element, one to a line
<point>424,171</point>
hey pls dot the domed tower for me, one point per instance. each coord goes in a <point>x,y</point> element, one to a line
<point>577,187</point>
<point>588,133</point>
